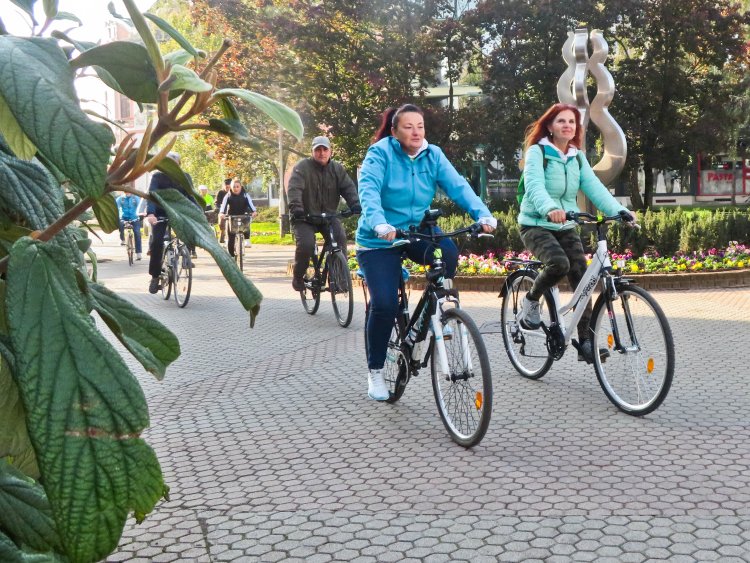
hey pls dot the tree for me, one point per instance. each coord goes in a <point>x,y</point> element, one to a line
<point>673,63</point>
<point>73,466</point>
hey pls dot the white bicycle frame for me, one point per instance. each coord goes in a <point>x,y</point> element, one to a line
<point>436,327</point>
<point>581,296</point>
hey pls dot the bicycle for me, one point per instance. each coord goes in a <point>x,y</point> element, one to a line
<point>328,271</point>
<point>128,227</point>
<point>176,269</point>
<point>238,225</point>
<point>443,334</point>
<point>630,332</point>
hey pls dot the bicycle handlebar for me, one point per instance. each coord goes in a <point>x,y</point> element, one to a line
<point>474,230</point>
<point>582,217</point>
<point>329,216</point>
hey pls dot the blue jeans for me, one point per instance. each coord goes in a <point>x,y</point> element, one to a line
<point>382,270</point>
<point>136,232</point>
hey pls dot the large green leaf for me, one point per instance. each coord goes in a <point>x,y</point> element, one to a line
<point>50,8</point>
<point>190,224</point>
<point>176,35</point>
<point>105,209</point>
<point>19,143</point>
<point>29,190</point>
<point>10,553</point>
<point>37,85</point>
<point>178,57</point>
<point>15,444</point>
<point>85,410</point>
<point>286,117</point>
<point>176,174</point>
<point>27,6</point>
<point>25,514</point>
<point>182,78</point>
<point>128,64</point>
<point>148,340</point>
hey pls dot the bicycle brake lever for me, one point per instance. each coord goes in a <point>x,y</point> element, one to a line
<point>399,242</point>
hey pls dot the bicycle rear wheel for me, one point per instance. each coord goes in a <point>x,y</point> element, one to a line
<point>637,377</point>
<point>526,349</point>
<point>464,395</point>
<point>396,367</point>
<point>340,285</point>
<point>130,245</point>
<point>166,276</point>
<point>310,296</point>
<point>183,276</point>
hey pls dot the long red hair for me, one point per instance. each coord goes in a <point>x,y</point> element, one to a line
<point>540,128</point>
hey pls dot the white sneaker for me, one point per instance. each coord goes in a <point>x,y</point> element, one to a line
<point>376,387</point>
<point>138,256</point>
<point>530,318</point>
<point>248,244</point>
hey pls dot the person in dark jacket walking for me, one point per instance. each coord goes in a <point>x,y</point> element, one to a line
<point>155,214</point>
<point>316,186</point>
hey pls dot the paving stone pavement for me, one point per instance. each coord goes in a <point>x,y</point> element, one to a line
<point>274,453</point>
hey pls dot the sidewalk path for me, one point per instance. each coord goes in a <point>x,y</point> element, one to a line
<point>274,453</point>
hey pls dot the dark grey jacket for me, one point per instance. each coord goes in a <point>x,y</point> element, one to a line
<point>316,189</point>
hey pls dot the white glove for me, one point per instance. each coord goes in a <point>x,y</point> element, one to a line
<point>491,221</point>
<point>383,229</point>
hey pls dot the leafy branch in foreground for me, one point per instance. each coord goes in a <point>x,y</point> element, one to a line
<point>73,465</point>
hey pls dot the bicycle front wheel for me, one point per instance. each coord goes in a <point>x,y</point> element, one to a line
<point>311,294</point>
<point>239,251</point>
<point>130,242</point>
<point>526,349</point>
<point>464,394</point>
<point>637,375</point>
<point>166,276</point>
<point>183,276</point>
<point>340,285</point>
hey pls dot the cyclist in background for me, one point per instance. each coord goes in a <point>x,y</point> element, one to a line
<point>399,177</point>
<point>155,214</point>
<point>207,198</point>
<point>127,209</point>
<point>554,169</point>
<point>218,200</point>
<point>237,202</point>
<point>316,186</point>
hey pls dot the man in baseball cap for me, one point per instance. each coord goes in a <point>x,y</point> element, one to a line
<point>316,186</point>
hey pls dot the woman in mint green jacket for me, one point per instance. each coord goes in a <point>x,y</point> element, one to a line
<point>554,170</point>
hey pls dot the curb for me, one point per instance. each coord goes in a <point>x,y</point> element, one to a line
<point>688,280</point>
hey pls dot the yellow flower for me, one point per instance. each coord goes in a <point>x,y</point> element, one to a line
<point>634,268</point>
<point>681,267</point>
<point>741,264</point>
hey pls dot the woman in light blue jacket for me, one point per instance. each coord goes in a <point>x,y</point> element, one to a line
<point>399,177</point>
<point>554,170</point>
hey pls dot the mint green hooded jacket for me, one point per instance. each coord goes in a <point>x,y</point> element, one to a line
<point>556,187</point>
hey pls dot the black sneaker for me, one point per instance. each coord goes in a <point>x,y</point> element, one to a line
<point>298,284</point>
<point>153,287</point>
<point>586,352</point>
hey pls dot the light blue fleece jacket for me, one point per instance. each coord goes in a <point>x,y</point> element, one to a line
<point>556,187</point>
<point>396,190</point>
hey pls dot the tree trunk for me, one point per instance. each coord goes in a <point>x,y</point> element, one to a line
<point>635,192</point>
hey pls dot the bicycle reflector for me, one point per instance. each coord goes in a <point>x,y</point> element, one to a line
<point>610,340</point>
<point>650,365</point>
<point>478,400</point>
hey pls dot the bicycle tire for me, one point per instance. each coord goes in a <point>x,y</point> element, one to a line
<point>396,366</point>
<point>183,276</point>
<point>238,251</point>
<point>638,378</point>
<point>464,396</point>
<point>130,246</point>
<point>310,296</point>
<point>340,284</point>
<point>165,277</point>
<point>527,350</point>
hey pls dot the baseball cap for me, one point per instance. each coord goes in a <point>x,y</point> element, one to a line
<point>321,142</point>
<point>202,187</point>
